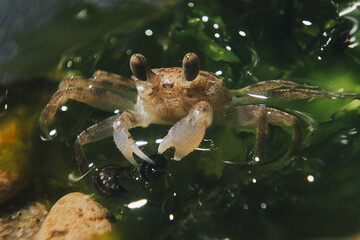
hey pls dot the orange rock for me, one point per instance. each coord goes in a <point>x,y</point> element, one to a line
<point>75,216</point>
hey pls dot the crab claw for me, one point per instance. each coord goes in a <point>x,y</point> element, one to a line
<point>187,134</point>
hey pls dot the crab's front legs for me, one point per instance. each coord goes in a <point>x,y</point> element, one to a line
<point>123,139</point>
<point>258,117</point>
<point>187,133</point>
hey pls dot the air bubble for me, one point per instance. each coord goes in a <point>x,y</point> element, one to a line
<point>83,15</point>
<point>310,178</point>
<point>64,108</point>
<point>242,33</point>
<point>148,32</point>
<point>48,136</point>
<point>307,22</point>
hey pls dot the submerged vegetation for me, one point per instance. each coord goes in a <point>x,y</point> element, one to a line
<point>210,194</point>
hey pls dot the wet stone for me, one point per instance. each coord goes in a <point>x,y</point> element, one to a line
<point>75,216</point>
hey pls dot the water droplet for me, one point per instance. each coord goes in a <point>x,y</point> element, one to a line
<point>77,59</point>
<point>148,32</point>
<point>242,33</point>
<point>141,143</point>
<point>191,4</point>
<point>205,18</point>
<point>263,205</point>
<point>69,64</point>
<point>137,204</point>
<point>307,22</point>
<point>82,15</point>
<point>48,136</point>
<point>310,178</point>
<point>217,35</point>
<point>216,26</point>
<point>171,217</point>
<point>64,108</point>
<point>352,131</point>
<point>52,133</point>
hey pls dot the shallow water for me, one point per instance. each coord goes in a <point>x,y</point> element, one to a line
<point>212,193</point>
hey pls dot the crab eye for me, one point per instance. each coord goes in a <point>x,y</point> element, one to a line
<point>139,67</point>
<point>191,66</point>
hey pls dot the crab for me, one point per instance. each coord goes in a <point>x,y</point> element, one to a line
<point>187,98</point>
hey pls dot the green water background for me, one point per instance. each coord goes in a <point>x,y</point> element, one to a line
<point>207,198</point>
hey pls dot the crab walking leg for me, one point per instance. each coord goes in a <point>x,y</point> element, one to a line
<point>98,98</point>
<point>94,133</point>
<point>102,80</point>
<point>268,85</point>
<point>100,76</point>
<point>123,139</point>
<point>80,82</point>
<point>257,117</point>
<point>251,117</point>
<point>279,95</point>
<point>187,133</point>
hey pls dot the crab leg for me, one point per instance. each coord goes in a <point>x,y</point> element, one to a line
<point>98,98</point>
<point>187,133</point>
<point>267,85</point>
<point>123,139</point>
<point>118,126</point>
<point>94,133</point>
<point>257,117</point>
<point>278,95</point>
<point>101,80</point>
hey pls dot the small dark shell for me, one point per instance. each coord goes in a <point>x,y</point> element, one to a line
<point>106,182</point>
<point>148,170</point>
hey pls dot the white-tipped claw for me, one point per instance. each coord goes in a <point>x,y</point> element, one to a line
<point>187,134</point>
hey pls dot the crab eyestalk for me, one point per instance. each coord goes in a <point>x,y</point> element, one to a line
<point>139,67</point>
<point>191,66</point>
